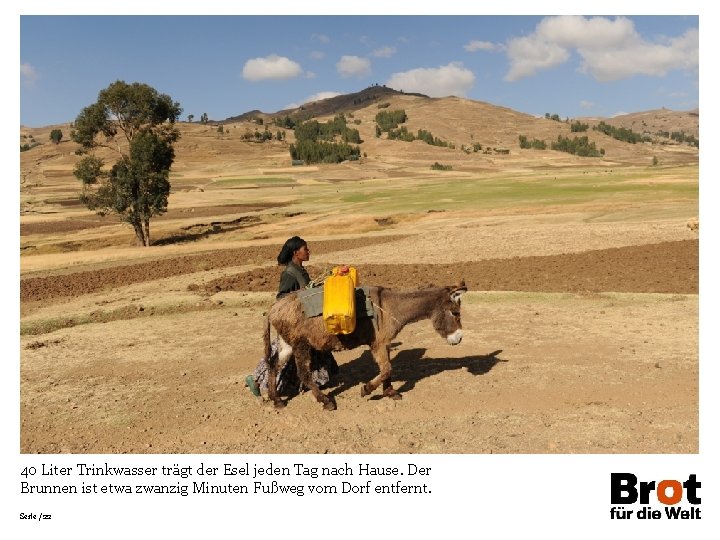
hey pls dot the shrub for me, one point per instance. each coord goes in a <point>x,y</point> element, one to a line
<point>535,143</point>
<point>580,146</point>
<point>388,120</point>
<point>25,147</point>
<point>438,167</point>
<point>56,136</point>
<point>621,134</point>
<point>315,142</point>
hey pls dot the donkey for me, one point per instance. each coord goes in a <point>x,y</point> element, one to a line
<point>394,309</point>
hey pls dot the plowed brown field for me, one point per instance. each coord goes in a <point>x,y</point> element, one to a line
<point>579,358</point>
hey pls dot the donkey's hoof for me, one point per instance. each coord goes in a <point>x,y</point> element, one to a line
<point>392,394</point>
<point>330,406</point>
<point>279,404</point>
<point>364,391</point>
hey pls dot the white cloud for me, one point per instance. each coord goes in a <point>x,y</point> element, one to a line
<point>317,55</point>
<point>28,74</point>
<point>353,66</point>
<point>310,75</point>
<point>450,80</point>
<point>528,55</point>
<point>384,52</point>
<point>642,58</point>
<point>610,49</point>
<point>322,38</point>
<point>314,97</point>
<point>321,95</point>
<point>476,45</point>
<point>587,105</point>
<point>270,67</point>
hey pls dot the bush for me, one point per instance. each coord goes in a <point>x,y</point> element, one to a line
<point>680,137</point>
<point>388,120</point>
<point>322,151</point>
<point>56,136</point>
<point>429,139</point>
<point>621,134</point>
<point>25,147</point>
<point>535,144</point>
<point>315,142</point>
<point>580,146</point>
<point>285,122</point>
<point>438,167</point>
<point>401,134</point>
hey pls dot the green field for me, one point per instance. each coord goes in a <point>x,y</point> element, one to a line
<point>633,186</point>
<point>257,181</point>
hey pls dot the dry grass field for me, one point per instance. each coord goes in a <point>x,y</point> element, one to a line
<point>581,323</point>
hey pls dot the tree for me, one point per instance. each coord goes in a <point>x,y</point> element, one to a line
<point>56,136</point>
<point>138,124</point>
<point>191,118</point>
<point>204,118</point>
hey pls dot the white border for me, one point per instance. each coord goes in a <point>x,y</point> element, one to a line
<point>565,496</point>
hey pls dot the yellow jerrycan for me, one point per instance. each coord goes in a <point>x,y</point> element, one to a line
<point>339,300</point>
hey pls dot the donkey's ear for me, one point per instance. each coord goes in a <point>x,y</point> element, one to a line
<point>457,291</point>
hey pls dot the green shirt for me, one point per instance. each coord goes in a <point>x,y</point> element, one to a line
<point>293,278</point>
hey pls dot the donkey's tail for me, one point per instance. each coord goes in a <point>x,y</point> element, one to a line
<point>266,337</point>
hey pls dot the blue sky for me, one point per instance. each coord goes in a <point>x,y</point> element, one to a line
<point>226,65</point>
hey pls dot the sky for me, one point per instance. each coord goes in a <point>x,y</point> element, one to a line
<point>222,65</point>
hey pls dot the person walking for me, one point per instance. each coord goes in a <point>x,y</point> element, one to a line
<point>323,366</point>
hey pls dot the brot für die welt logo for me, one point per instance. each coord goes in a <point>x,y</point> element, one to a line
<point>680,499</point>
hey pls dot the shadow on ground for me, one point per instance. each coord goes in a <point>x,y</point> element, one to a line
<point>410,366</point>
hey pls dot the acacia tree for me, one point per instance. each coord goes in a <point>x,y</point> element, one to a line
<point>138,124</point>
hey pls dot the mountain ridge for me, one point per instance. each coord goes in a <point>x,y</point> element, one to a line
<point>332,105</point>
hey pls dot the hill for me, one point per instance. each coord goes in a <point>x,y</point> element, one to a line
<point>655,121</point>
<point>480,136</point>
<point>344,103</point>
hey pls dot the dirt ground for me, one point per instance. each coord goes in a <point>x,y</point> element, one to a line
<point>588,352</point>
<point>580,323</point>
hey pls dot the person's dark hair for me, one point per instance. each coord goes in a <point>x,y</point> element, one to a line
<point>291,246</point>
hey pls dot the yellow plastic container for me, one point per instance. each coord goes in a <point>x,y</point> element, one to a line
<point>339,300</point>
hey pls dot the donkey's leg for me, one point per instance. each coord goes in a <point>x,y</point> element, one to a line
<point>381,353</point>
<point>389,391</point>
<point>302,361</point>
<point>276,362</point>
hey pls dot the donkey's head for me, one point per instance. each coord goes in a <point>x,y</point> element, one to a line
<point>446,316</point>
